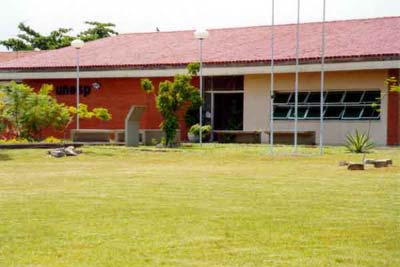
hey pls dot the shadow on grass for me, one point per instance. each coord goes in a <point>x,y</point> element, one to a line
<point>4,157</point>
<point>99,153</point>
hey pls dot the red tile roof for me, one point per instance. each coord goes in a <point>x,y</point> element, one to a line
<point>7,56</point>
<point>349,39</point>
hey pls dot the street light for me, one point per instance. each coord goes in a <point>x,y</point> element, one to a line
<point>201,35</point>
<point>77,44</point>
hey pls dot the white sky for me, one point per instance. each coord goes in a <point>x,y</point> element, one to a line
<point>146,15</point>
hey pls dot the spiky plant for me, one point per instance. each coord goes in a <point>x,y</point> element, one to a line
<point>359,142</point>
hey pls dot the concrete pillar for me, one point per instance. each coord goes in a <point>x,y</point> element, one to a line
<point>132,124</point>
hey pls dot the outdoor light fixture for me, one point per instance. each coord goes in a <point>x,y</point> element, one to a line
<point>77,44</point>
<point>201,35</point>
<point>96,85</point>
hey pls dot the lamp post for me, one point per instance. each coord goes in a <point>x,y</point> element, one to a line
<point>201,35</point>
<point>271,103</point>
<point>77,44</point>
<point>296,84</point>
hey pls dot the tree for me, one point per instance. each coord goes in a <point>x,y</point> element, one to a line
<point>2,105</point>
<point>97,31</point>
<point>172,97</point>
<point>15,105</point>
<point>25,113</point>
<point>393,84</point>
<point>29,39</point>
<point>67,115</point>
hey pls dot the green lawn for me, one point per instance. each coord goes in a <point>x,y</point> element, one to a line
<point>222,205</point>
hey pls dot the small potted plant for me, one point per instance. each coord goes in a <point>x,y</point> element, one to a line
<point>194,133</point>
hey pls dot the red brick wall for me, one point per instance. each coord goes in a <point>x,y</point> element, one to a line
<point>115,94</point>
<point>393,124</point>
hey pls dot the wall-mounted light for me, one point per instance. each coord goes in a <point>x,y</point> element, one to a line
<point>96,85</point>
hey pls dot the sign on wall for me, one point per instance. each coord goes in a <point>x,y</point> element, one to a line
<point>84,90</point>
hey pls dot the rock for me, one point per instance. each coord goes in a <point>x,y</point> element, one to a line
<point>70,151</point>
<point>389,161</point>
<point>343,163</point>
<point>369,161</point>
<point>160,145</point>
<point>61,152</point>
<point>57,153</point>
<point>381,163</point>
<point>355,167</point>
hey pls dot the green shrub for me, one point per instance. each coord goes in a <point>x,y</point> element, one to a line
<point>14,141</point>
<point>205,130</point>
<point>359,142</point>
<point>172,97</point>
<point>51,139</point>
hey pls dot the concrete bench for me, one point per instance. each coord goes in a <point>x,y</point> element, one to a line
<point>237,136</point>
<point>280,137</point>
<point>146,136</point>
<point>287,138</point>
<point>91,135</point>
<point>150,136</point>
<point>119,136</point>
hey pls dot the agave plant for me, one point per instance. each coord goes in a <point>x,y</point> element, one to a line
<point>359,142</point>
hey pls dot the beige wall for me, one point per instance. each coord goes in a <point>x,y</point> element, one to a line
<point>256,102</point>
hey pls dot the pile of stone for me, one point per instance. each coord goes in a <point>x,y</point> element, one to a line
<point>382,163</point>
<point>69,151</point>
<point>361,166</point>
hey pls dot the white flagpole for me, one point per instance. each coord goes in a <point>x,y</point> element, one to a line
<point>271,104</point>
<point>296,86</point>
<point>321,129</point>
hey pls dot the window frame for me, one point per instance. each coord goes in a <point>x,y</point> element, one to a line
<point>364,105</point>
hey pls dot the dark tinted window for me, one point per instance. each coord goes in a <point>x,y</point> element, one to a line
<point>313,112</point>
<point>353,97</point>
<point>301,97</point>
<point>338,105</point>
<point>334,97</point>
<point>371,97</point>
<point>301,112</point>
<point>222,83</point>
<point>281,112</point>
<point>352,112</point>
<point>281,97</point>
<point>333,112</point>
<point>371,112</point>
<point>313,98</point>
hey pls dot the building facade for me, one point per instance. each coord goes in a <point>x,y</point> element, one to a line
<point>360,54</point>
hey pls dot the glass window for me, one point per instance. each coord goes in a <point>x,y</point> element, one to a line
<point>334,97</point>
<point>313,113</point>
<point>352,112</point>
<point>371,97</point>
<point>223,83</point>
<point>371,112</point>
<point>301,97</point>
<point>281,112</point>
<point>353,97</point>
<point>281,97</point>
<point>314,98</point>
<point>338,105</point>
<point>301,112</point>
<point>333,112</point>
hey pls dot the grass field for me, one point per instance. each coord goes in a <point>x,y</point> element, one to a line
<point>222,205</point>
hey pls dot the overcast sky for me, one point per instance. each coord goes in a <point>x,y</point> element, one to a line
<point>146,15</point>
